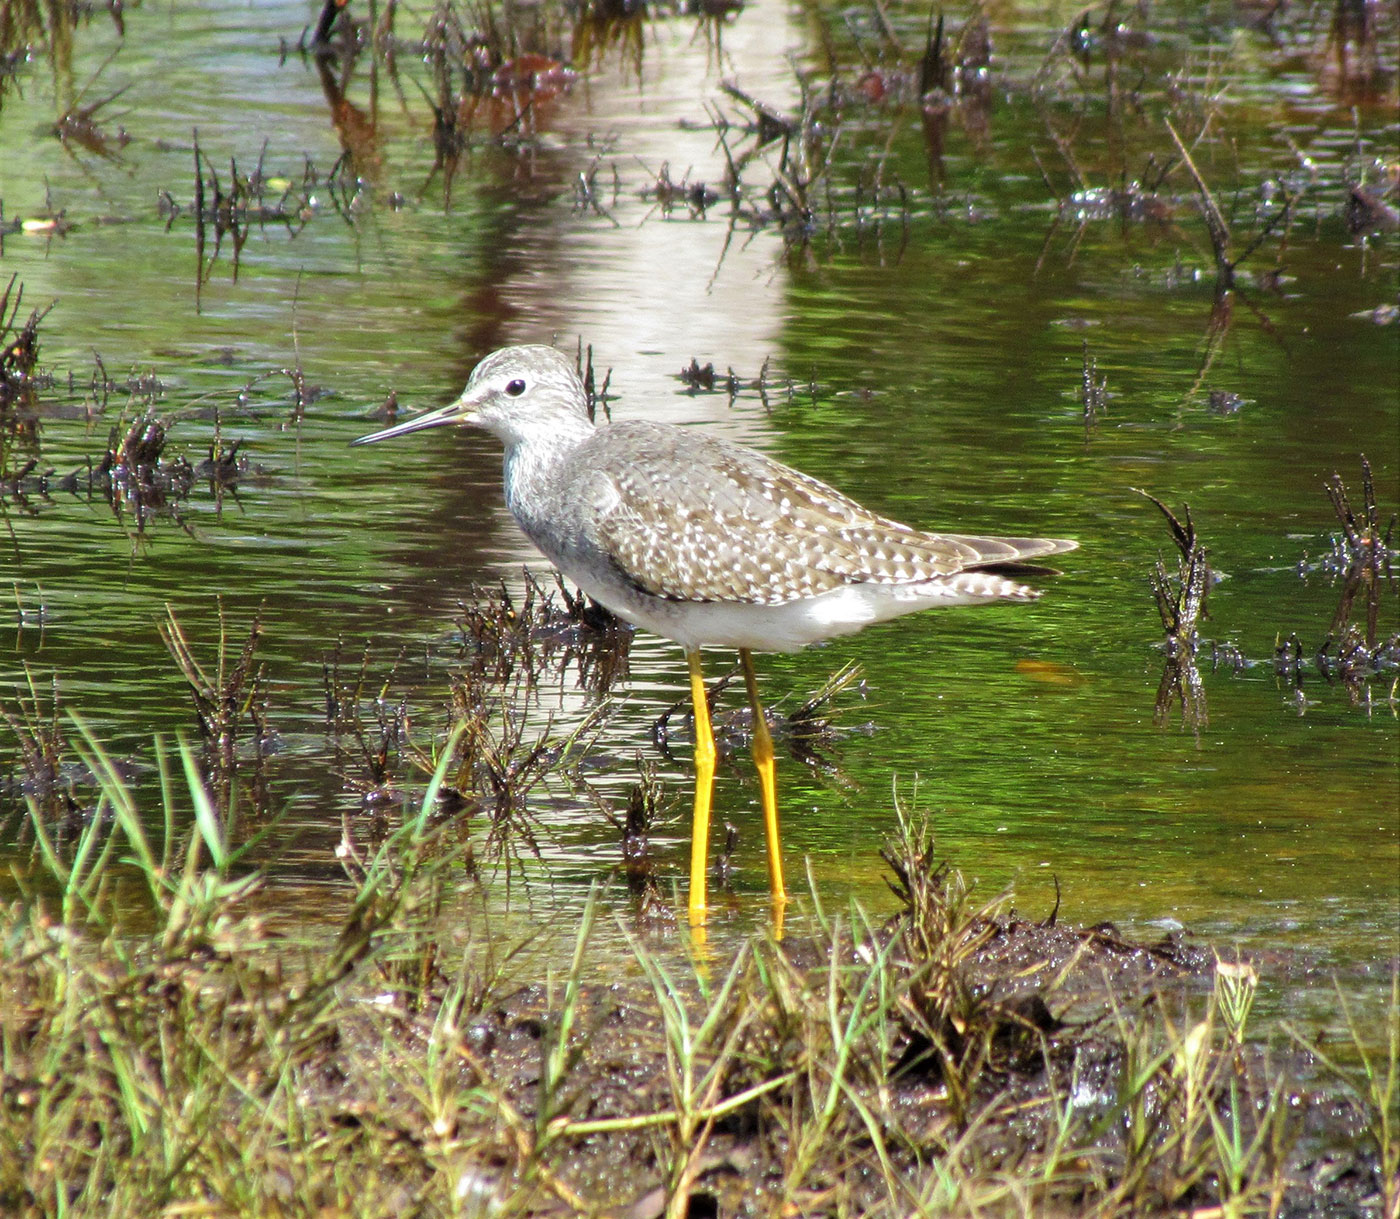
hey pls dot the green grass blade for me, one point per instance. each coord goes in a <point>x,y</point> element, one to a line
<point>206,817</point>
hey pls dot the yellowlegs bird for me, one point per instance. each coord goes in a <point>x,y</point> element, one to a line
<point>709,543</point>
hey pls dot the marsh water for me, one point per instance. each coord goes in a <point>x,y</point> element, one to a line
<point>923,336</point>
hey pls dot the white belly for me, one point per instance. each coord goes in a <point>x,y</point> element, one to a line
<point>791,626</point>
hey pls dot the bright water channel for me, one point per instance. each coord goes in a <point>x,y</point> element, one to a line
<point>935,324</point>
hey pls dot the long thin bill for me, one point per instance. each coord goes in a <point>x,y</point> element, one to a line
<point>442,417</point>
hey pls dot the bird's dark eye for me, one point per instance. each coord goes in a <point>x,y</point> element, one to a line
<point>515,388</point>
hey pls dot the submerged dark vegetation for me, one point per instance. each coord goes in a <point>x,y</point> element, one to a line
<point>171,1045</point>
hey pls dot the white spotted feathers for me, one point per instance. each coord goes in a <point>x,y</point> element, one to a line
<point>702,540</point>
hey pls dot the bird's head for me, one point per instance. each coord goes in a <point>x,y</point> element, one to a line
<point>517,393</point>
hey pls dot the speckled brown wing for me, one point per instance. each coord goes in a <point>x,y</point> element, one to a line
<point>688,508</point>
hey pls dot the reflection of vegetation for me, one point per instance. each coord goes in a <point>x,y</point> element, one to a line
<point>135,474</point>
<point>1363,556</point>
<point>250,200</point>
<point>80,126</point>
<point>878,95</point>
<point>22,23</point>
<point>1349,656</point>
<point>30,31</point>
<point>391,1058</point>
<point>19,354</point>
<point>1362,559</point>
<point>1181,602</point>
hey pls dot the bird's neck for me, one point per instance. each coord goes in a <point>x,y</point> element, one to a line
<point>532,456</point>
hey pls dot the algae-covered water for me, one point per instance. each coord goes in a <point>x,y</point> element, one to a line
<point>995,310</point>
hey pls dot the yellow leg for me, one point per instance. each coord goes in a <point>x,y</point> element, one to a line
<point>704,788</point>
<point>767,781</point>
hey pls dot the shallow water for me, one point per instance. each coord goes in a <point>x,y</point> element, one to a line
<point>935,343</point>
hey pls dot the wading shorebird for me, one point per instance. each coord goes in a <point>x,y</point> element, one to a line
<point>710,544</point>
